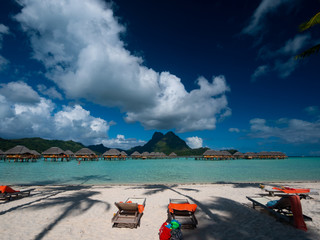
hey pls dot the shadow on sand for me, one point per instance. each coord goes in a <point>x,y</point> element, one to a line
<point>223,218</point>
<point>72,199</point>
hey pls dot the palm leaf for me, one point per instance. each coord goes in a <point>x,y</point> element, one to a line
<point>308,52</point>
<point>313,21</point>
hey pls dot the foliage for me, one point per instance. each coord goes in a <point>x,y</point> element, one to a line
<point>167,144</point>
<point>304,26</point>
<point>39,144</point>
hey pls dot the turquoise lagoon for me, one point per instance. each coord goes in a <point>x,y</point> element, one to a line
<point>180,170</point>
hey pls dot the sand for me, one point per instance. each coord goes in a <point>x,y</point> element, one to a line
<point>85,212</point>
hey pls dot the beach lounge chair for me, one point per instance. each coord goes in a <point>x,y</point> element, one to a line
<point>129,213</point>
<point>182,211</point>
<point>287,208</point>
<point>272,191</point>
<point>7,193</point>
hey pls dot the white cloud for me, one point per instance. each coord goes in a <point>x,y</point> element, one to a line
<point>185,111</point>
<point>194,142</point>
<point>236,130</point>
<point>3,61</point>
<point>295,45</point>
<point>281,60</point>
<point>260,71</point>
<point>294,130</point>
<point>257,21</point>
<point>85,57</point>
<point>19,92</point>
<point>50,92</point>
<point>32,116</point>
<point>121,142</point>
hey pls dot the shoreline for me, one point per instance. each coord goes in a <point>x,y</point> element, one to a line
<point>85,212</point>
<point>169,183</point>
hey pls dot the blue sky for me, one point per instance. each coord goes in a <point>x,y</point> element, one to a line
<point>220,74</point>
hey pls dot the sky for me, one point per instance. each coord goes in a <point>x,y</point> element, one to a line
<point>220,74</point>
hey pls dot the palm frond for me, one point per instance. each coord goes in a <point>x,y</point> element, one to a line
<point>313,21</point>
<point>309,51</point>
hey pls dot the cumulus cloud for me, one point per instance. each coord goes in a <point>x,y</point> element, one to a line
<point>194,142</point>
<point>19,92</point>
<point>291,130</point>
<point>257,21</point>
<point>236,130</point>
<point>31,115</point>
<point>186,111</point>
<point>121,142</point>
<point>50,92</point>
<point>85,56</point>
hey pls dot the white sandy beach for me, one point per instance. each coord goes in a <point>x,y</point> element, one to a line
<point>85,212</point>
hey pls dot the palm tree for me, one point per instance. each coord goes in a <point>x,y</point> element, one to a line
<point>304,26</point>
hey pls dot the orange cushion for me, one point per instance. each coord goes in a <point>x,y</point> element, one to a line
<point>7,189</point>
<point>292,190</point>
<point>182,207</point>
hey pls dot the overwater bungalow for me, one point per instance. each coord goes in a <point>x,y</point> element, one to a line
<point>152,155</point>
<point>216,155</point>
<point>20,153</point>
<point>85,154</point>
<point>36,154</point>
<point>250,155</point>
<point>69,154</point>
<point>135,155</point>
<point>123,155</point>
<point>238,155</point>
<point>163,155</point>
<point>271,155</point>
<point>55,154</point>
<point>145,155</point>
<point>173,155</point>
<point>111,154</point>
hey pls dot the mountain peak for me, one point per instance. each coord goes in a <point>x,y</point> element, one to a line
<point>163,143</point>
<point>157,135</point>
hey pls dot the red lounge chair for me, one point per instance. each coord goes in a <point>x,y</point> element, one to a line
<point>7,193</point>
<point>182,211</point>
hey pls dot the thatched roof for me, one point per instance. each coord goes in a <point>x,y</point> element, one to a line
<point>152,154</point>
<point>135,154</point>
<point>123,153</point>
<point>265,153</point>
<point>225,153</point>
<point>173,154</point>
<point>252,154</point>
<point>238,154</point>
<point>70,153</point>
<point>211,153</point>
<point>84,151</point>
<point>1,152</point>
<point>145,154</point>
<point>18,150</point>
<point>34,152</point>
<point>112,152</point>
<point>53,151</point>
<point>162,154</point>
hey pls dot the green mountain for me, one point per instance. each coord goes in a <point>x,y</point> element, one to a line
<point>167,143</point>
<point>40,144</point>
<point>159,142</point>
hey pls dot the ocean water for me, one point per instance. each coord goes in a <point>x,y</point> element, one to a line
<point>180,170</point>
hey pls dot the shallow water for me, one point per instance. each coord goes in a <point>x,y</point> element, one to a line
<point>180,170</point>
